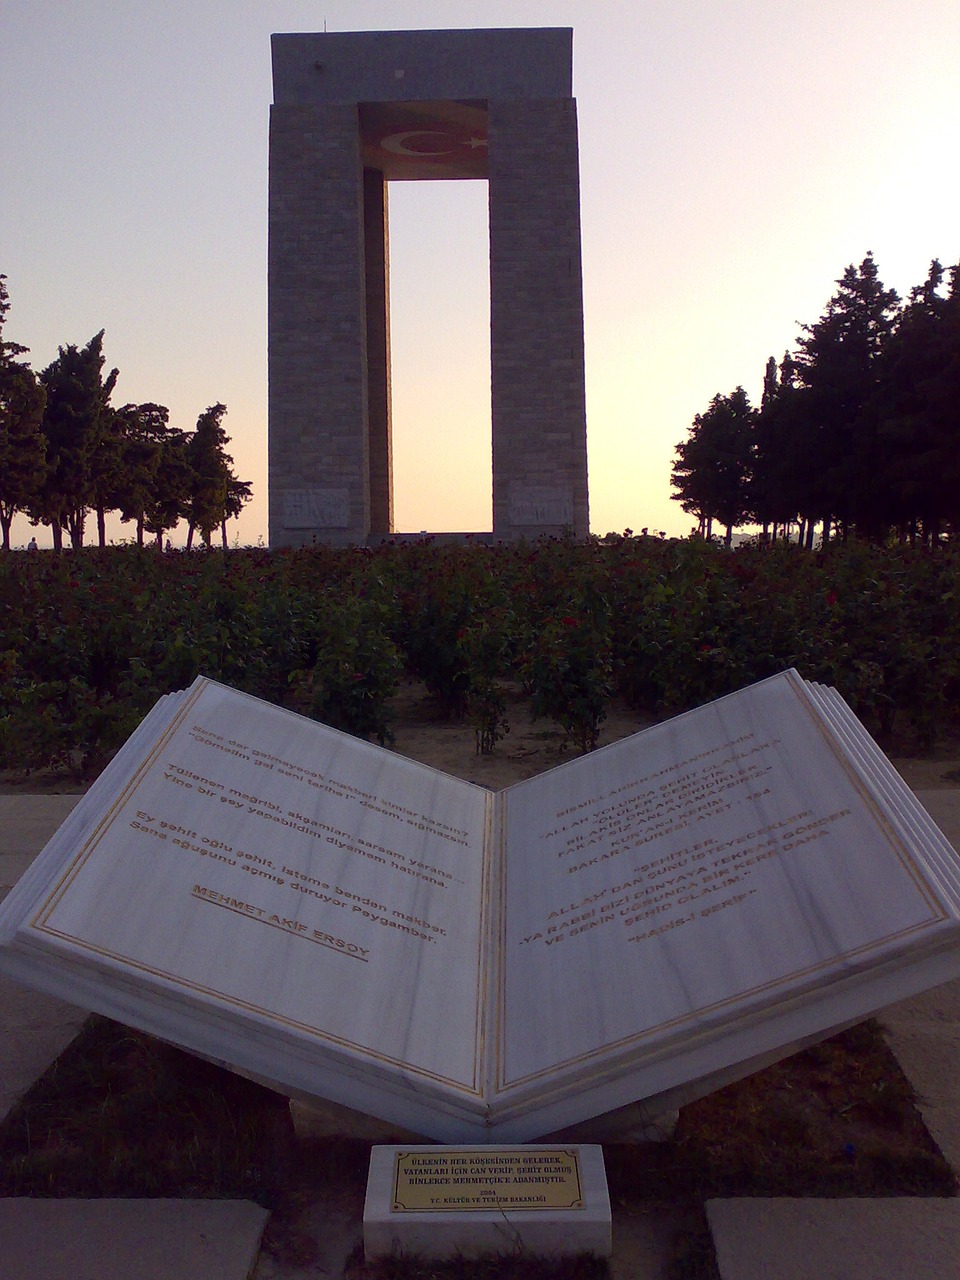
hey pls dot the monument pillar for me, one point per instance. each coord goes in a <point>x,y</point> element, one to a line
<point>536,320</point>
<point>318,456</point>
<point>352,112</point>
<point>377,268</point>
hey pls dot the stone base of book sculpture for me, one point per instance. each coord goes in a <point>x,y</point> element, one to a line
<point>640,923</point>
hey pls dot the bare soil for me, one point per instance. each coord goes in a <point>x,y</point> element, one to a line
<point>531,747</point>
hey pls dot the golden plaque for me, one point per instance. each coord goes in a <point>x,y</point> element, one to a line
<point>462,1180</point>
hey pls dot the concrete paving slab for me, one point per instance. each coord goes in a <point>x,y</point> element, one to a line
<point>791,1239</point>
<point>120,1239</point>
<point>335,1223</point>
<point>935,1012</point>
<point>12,867</point>
<point>931,1059</point>
<point>26,824</point>
<point>27,821</point>
<point>943,806</point>
<point>932,1064</point>
<point>34,1028</point>
<point>644,1240</point>
<point>924,1034</point>
<point>27,1051</point>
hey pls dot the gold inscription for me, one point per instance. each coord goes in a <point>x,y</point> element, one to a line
<point>261,868</point>
<point>269,811</point>
<point>333,786</point>
<point>687,883</point>
<point>275,921</point>
<point>460,1180</point>
<point>630,822</point>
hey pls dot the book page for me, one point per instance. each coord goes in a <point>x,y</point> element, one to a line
<point>263,862</point>
<point>706,867</point>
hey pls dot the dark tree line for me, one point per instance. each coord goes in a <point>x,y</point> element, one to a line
<point>67,454</point>
<point>858,430</point>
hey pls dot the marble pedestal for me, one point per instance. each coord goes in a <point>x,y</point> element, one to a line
<point>546,1229</point>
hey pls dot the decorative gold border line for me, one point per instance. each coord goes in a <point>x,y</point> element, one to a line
<point>673,1024</point>
<point>70,872</point>
<point>315,1033</point>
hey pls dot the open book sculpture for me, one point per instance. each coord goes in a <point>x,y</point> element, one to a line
<point>348,924</point>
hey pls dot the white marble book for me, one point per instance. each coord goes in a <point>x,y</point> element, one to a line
<point>637,924</point>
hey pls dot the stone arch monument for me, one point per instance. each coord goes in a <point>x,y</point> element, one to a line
<point>352,112</point>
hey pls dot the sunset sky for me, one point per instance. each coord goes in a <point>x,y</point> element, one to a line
<point>735,156</point>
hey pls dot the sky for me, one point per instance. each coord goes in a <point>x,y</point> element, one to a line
<point>735,157</point>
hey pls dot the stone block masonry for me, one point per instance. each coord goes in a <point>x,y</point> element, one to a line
<point>352,112</point>
<point>536,305</point>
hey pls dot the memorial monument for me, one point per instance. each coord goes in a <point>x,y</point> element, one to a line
<point>642,923</point>
<point>352,112</point>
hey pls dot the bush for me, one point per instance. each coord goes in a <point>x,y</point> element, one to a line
<point>89,640</point>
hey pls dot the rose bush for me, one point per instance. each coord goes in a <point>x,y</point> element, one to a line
<point>90,640</point>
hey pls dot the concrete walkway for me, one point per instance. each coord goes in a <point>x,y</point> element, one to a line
<point>755,1239</point>
<point>35,1028</point>
<point>127,1239</point>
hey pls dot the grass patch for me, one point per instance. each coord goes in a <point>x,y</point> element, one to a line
<point>122,1114</point>
<point>838,1119</point>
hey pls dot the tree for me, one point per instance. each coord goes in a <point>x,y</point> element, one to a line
<point>106,470</point>
<point>713,466</point>
<point>168,502</point>
<point>215,492</point>
<point>941,392</point>
<point>22,453</point>
<point>141,430</point>
<point>74,421</point>
<point>838,368</point>
<point>778,465</point>
<point>918,407</point>
<point>239,493</point>
<point>206,454</point>
<point>859,429</point>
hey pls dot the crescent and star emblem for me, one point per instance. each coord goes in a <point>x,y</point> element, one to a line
<point>397,143</point>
